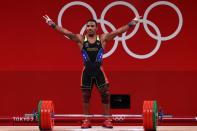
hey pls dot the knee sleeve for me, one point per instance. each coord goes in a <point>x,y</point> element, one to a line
<point>86,95</point>
<point>104,95</point>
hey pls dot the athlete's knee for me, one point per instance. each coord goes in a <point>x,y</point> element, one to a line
<point>86,95</point>
<point>104,91</point>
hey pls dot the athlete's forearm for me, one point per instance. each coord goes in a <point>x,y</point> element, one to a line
<point>125,28</point>
<point>113,34</point>
<point>122,29</point>
<point>61,30</point>
<point>65,32</point>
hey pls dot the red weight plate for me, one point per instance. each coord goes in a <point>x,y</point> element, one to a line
<point>42,115</point>
<point>151,115</point>
<point>49,115</point>
<point>46,116</point>
<point>148,115</point>
<point>51,112</point>
<point>145,115</point>
<point>48,110</point>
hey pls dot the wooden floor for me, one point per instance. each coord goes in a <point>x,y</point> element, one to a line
<point>98,128</point>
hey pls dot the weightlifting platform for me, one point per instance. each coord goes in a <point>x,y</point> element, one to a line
<point>99,128</point>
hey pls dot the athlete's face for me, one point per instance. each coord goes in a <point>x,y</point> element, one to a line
<point>91,28</point>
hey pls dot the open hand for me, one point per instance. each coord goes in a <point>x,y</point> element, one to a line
<point>48,20</point>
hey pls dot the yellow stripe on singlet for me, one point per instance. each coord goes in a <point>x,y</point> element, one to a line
<point>85,39</point>
<point>97,38</point>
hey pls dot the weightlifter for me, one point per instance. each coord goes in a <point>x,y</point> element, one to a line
<point>92,47</point>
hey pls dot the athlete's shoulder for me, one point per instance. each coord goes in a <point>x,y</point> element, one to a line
<point>98,37</point>
<point>85,38</point>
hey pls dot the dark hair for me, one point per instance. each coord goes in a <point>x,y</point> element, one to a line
<point>92,20</point>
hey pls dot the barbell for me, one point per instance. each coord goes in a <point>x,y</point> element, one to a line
<point>46,118</point>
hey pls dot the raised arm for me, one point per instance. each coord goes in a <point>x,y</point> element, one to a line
<point>75,37</point>
<point>113,34</point>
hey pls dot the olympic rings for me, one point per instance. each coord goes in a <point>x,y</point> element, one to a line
<point>73,4</point>
<point>153,51</point>
<point>179,15</point>
<point>125,37</point>
<point>120,3</point>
